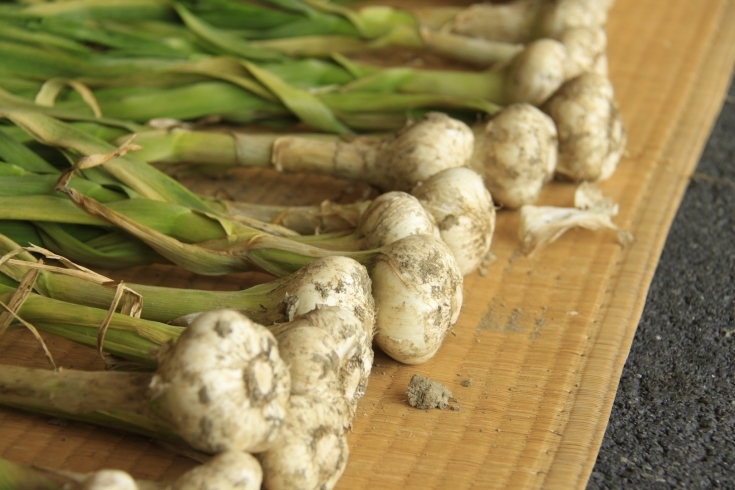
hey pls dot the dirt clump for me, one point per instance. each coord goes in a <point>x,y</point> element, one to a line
<point>427,394</point>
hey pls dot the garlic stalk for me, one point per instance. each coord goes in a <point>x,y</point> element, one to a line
<point>394,162</point>
<point>332,281</point>
<point>516,153</point>
<point>221,386</point>
<point>541,225</point>
<point>530,76</point>
<point>592,137</point>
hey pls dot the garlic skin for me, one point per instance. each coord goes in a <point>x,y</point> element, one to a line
<point>464,210</point>
<point>536,72</point>
<point>392,216</point>
<point>109,480</point>
<point>417,287</point>
<point>235,470</point>
<point>516,154</point>
<point>541,225</point>
<point>222,385</point>
<point>312,452</point>
<point>592,137</point>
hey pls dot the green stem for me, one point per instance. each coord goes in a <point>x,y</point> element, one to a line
<point>74,391</point>
<point>17,477</point>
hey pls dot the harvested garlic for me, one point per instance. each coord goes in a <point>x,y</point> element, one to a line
<point>516,154</point>
<point>222,385</point>
<point>230,470</point>
<point>536,72</point>
<point>541,225</point>
<point>510,22</point>
<point>417,287</point>
<point>312,356</point>
<point>397,162</point>
<point>560,15</point>
<point>591,133</point>
<point>587,50</point>
<point>109,480</point>
<point>464,211</point>
<point>392,216</point>
<point>329,281</point>
<point>312,452</point>
<point>353,345</point>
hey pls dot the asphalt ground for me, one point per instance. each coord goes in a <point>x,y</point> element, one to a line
<point>673,419</point>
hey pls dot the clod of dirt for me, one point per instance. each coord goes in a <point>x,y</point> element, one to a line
<point>427,394</point>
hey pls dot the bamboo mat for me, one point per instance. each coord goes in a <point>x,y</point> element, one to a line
<point>541,340</point>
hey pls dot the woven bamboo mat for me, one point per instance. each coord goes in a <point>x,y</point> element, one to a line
<point>541,340</point>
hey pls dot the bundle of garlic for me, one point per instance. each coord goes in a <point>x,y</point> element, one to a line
<point>222,386</point>
<point>393,162</point>
<point>416,283</point>
<point>227,386</point>
<point>541,225</point>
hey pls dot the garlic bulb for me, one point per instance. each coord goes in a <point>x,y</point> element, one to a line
<point>222,386</point>
<point>392,216</point>
<point>464,210</point>
<point>312,452</point>
<point>329,281</point>
<point>417,287</point>
<point>230,470</point>
<point>536,72</point>
<point>510,22</point>
<point>109,480</point>
<point>560,15</point>
<point>516,154</point>
<point>591,133</point>
<point>312,356</point>
<point>353,345</point>
<point>397,162</point>
<point>587,50</point>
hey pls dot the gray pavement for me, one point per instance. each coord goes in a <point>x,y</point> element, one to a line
<point>673,420</point>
